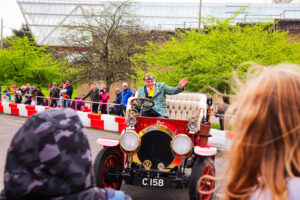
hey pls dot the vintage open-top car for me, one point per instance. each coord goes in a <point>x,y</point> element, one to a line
<point>155,152</point>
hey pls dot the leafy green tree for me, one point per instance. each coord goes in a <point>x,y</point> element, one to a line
<point>209,58</point>
<point>23,62</point>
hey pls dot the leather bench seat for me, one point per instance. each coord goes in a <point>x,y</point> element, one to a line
<point>184,105</point>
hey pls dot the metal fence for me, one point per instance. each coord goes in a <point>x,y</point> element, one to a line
<point>62,101</point>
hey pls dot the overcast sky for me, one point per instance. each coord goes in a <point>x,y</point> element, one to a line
<point>12,16</point>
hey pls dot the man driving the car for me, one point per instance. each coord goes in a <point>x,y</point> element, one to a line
<point>157,93</point>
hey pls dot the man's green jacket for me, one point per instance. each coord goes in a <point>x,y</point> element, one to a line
<point>159,98</point>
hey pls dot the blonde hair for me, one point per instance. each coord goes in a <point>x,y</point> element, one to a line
<point>266,144</point>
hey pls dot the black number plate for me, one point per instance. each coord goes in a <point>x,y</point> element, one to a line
<point>153,182</point>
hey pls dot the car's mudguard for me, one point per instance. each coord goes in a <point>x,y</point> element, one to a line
<point>113,143</point>
<point>108,142</point>
<point>205,150</point>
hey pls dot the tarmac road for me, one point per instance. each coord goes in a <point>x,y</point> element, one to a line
<point>9,125</point>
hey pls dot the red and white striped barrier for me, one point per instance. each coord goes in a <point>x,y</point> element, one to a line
<point>87,118</point>
<point>6,108</point>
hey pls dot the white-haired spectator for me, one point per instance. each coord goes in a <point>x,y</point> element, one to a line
<point>18,96</point>
<point>23,89</point>
<point>4,99</point>
<point>33,101</point>
<point>126,93</point>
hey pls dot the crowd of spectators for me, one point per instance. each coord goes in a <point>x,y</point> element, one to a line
<point>99,97</point>
<point>62,97</point>
<point>33,95</point>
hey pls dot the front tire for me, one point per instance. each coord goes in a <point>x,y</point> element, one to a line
<point>203,166</point>
<point>108,160</point>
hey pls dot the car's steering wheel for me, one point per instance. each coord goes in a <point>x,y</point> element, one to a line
<point>139,102</point>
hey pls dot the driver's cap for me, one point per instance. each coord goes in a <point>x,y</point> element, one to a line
<point>149,76</point>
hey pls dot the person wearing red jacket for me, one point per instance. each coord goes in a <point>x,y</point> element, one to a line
<point>104,96</point>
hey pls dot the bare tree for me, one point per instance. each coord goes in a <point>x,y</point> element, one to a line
<point>104,43</point>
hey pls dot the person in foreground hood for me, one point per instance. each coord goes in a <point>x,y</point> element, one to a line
<point>50,158</point>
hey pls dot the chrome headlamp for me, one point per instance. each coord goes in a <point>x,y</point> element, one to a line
<point>192,125</point>
<point>181,144</point>
<point>130,140</point>
<point>131,121</point>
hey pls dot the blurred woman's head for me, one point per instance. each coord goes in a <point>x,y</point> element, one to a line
<point>266,143</point>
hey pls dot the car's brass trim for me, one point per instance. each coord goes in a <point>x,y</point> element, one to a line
<point>135,159</point>
<point>164,129</point>
<point>147,164</point>
<point>156,127</point>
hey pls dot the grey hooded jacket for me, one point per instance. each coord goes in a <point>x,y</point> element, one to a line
<point>50,158</point>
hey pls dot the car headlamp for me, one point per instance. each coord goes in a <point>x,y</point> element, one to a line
<point>131,121</point>
<point>181,144</point>
<point>130,140</point>
<point>192,125</point>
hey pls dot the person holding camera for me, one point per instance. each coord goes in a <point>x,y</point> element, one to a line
<point>104,96</point>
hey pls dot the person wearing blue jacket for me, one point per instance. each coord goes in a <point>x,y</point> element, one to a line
<point>69,92</point>
<point>126,93</point>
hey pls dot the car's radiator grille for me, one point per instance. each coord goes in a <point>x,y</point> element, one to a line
<point>156,147</point>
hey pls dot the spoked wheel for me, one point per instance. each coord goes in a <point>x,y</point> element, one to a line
<point>203,166</point>
<point>108,162</point>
